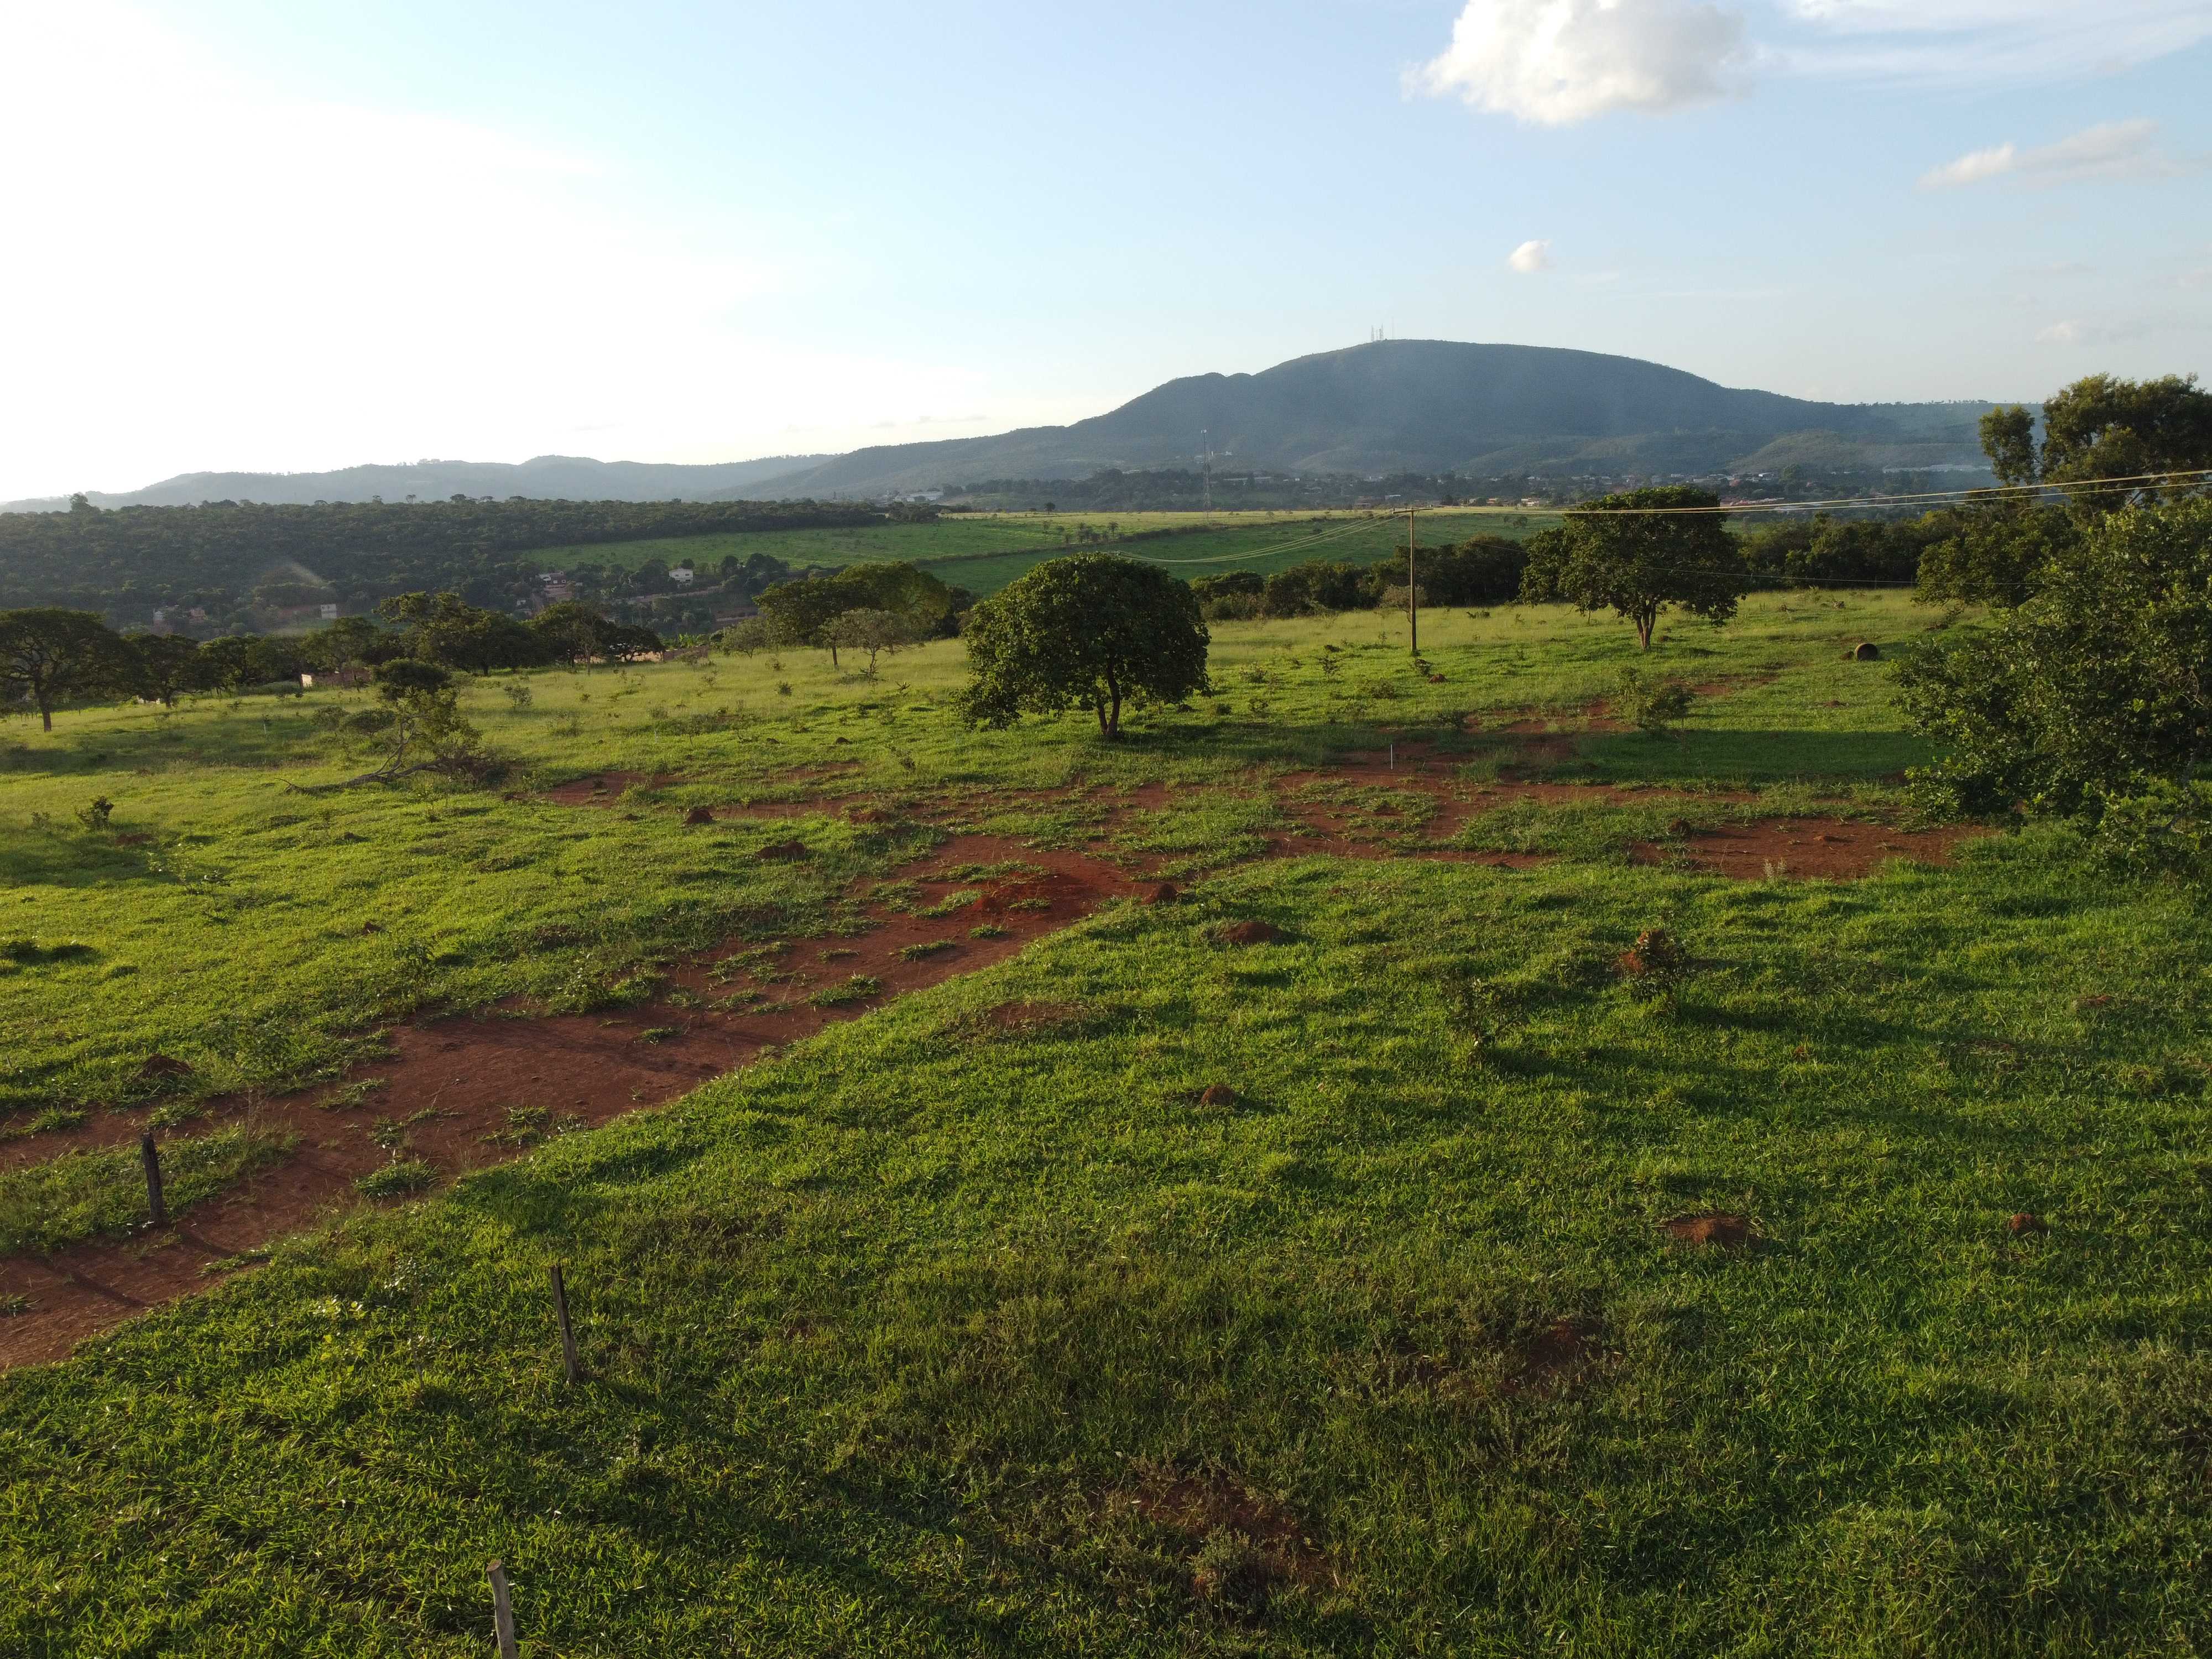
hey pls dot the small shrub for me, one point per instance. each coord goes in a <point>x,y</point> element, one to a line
<point>518,695</point>
<point>916,953</point>
<point>1656,967</point>
<point>398,1179</point>
<point>13,1305</point>
<point>1652,705</point>
<point>658,1034</point>
<point>95,815</point>
<point>1477,1012</point>
<point>988,930</point>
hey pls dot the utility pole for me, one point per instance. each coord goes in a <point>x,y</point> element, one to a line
<point>1206,444</point>
<point>1413,586</point>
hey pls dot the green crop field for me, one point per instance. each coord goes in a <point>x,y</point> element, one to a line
<point>1144,1291</point>
<point>983,552</point>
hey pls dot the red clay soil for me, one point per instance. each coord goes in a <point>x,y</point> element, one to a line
<point>453,1082</point>
<point>1200,1506</point>
<point>1825,849</point>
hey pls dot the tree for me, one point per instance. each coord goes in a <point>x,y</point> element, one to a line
<point>1094,631</point>
<point>1637,553</point>
<point>573,630</point>
<point>350,640</point>
<point>2095,691</point>
<point>48,657</point>
<point>166,664</point>
<point>803,611</point>
<point>1999,553</point>
<point>237,660</point>
<point>2104,427</point>
<point>872,631</point>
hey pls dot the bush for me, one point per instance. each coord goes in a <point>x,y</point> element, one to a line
<point>1652,705</point>
<point>2090,694</point>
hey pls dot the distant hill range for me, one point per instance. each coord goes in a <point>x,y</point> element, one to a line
<point>1388,406</point>
<point>547,478</point>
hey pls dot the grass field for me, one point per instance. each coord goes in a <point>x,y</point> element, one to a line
<point>1301,1297</point>
<point>983,552</point>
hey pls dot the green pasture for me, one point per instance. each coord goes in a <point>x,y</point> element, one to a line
<point>983,552</point>
<point>939,1333</point>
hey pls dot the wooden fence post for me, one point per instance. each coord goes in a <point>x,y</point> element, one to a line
<point>568,1333</point>
<point>155,1207</point>
<point>503,1611</point>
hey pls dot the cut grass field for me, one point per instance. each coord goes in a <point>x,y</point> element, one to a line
<point>983,552</point>
<point>1144,1292</point>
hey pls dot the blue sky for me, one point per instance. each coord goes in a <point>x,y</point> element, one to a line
<point>297,235</point>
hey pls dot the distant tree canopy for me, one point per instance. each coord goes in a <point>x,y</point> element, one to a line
<point>1828,551</point>
<point>1637,553</point>
<point>1093,631</point>
<point>573,632</point>
<point>127,561</point>
<point>805,611</point>
<point>1483,570</point>
<point>2093,696</point>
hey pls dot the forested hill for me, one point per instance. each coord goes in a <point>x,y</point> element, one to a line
<point>126,562</point>
<point>550,478</point>
<point>1429,407</point>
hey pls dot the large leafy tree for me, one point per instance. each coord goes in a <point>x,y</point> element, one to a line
<point>2097,690</point>
<point>165,664</point>
<point>48,657</point>
<point>1094,631</point>
<point>2101,427</point>
<point>1637,554</point>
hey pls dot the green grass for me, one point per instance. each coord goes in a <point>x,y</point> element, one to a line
<point>954,1332</point>
<point>983,552</point>
<point>80,1195</point>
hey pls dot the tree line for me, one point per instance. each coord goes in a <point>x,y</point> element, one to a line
<point>122,564</point>
<point>51,656</point>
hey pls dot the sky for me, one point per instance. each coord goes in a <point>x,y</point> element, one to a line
<point>289,235</point>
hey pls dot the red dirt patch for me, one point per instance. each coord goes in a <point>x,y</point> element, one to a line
<point>1819,849</point>
<point>1217,1504</point>
<point>1165,892</point>
<point>1217,1094</point>
<point>1556,1355</point>
<point>606,788</point>
<point>784,851</point>
<point>468,1072</point>
<point>1729,1233</point>
<point>162,1065</point>
<point>2026,1223</point>
<point>1251,932</point>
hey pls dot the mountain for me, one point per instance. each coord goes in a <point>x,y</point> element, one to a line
<point>547,478</point>
<point>1387,406</point>
<point>1427,406</point>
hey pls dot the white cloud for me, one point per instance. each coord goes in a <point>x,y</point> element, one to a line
<point>2075,332</point>
<point>1555,62</point>
<point>1530,258</point>
<point>1985,42</point>
<point>2114,150</point>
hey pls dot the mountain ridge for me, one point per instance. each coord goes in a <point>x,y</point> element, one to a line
<point>1384,406</point>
